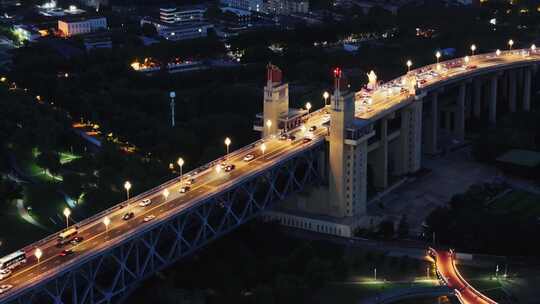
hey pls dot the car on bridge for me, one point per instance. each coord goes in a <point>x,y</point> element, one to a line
<point>312,128</point>
<point>306,139</point>
<point>66,252</point>
<point>5,287</point>
<point>145,202</point>
<point>249,157</point>
<point>128,216</point>
<point>76,240</point>
<point>148,218</point>
<point>291,138</point>
<point>283,136</point>
<point>4,274</point>
<point>229,168</point>
<point>190,181</point>
<point>184,189</point>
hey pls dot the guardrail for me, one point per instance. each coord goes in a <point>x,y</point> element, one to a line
<point>138,197</point>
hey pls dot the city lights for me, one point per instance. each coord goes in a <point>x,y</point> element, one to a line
<point>127,186</point>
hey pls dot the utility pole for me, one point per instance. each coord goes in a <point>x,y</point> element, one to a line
<point>172,94</point>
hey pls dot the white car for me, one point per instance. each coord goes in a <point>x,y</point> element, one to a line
<point>249,157</point>
<point>5,287</point>
<point>145,202</point>
<point>149,218</point>
<point>4,273</point>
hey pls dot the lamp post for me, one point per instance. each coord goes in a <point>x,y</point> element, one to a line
<point>438,56</point>
<point>127,186</point>
<point>510,44</point>
<point>473,48</point>
<point>409,64</point>
<point>172,95</point>
<point>227,143</point>
<point>38,253</point>
<point>467,59</point>
<point>308,106</point>
<point>375,273</point>
<point>67,213</point>
<point>180,163</point>
<point>106,222</point>
<point>268,125</point>
<point>166,193</point>
<point>533,48</point>
<point>263,148</point>
<point>325,95</point>
<point>498,52</point>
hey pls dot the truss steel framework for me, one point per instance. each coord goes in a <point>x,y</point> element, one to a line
<point>109,275</point>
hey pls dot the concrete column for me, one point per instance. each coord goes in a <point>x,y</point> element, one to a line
<point>477,106</point>
<point>492,111</point>
<point>411,138</point>
<point>380,163</point>
<point>433,128</point>
<point>512,93</point>
<point>527,90</point>
<point>459,116</point>
<point>504,86</point>
<point>447,119</point>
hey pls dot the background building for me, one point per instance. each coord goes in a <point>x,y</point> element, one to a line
<point>81,25</point>
<point>178,31</point>
<point>286,7</point>
<point>182,14</point>
<point>248,5</point>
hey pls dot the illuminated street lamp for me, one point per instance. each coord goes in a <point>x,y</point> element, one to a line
<point>166,193</point>
<point>510,43</point>
<point>180,163</point>
<point>106,222</point>
<point>325,95</point>
<point>227,143</point>
<point>127,186</point>
<point>38,253</point>
<point>473,48</point>
<point>375,273</point>
<point>438,56</point>
<point>3,79</point>
<point>67,213</point>
<point>308,106</point>
<point>409,64</point>
<point>263,148</point>
<point>533,47</point>
<point>498,52</point>
<point>467,59</point>
<point>269,125</point>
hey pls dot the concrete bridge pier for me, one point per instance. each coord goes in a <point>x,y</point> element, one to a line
<point>492,99</point>
<point>459,117</point>
<point>527,89</point>
<point>477,88</point>
<point>433,125</point>
<point>512,92</point>
<point>379,162</point>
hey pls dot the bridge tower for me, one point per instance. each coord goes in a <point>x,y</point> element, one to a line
<point>347,154</point>
<point>276,101</point>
